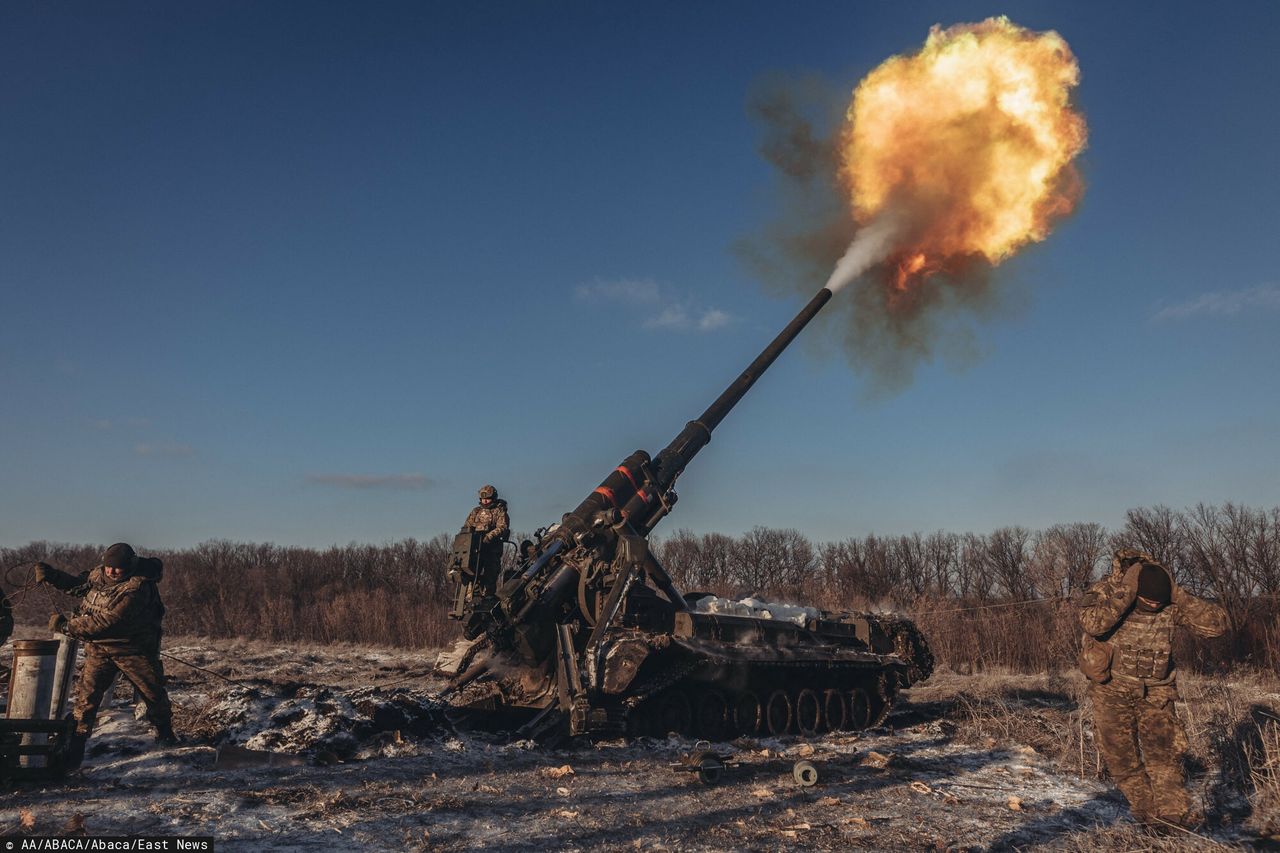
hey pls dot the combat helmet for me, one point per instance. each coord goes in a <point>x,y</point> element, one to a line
<point>120,556</point>
<point>488,491</point>
<point>1126,557</point>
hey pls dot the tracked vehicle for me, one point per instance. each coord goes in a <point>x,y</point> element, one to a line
<point>586,633</point>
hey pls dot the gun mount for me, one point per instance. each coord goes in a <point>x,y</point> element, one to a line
<point>595,628</point>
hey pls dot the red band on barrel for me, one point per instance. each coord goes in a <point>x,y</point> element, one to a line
<point>608,493</point>
<point>623,470</point>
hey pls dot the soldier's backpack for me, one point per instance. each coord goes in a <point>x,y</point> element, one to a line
<point>150,568</point>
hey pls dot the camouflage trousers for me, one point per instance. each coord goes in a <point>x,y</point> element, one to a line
<point>143,671</point>
<point>1142,742</point>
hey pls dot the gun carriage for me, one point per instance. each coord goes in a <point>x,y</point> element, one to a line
<point>587,629</point>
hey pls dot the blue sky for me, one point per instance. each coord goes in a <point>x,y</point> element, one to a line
<point>314,272</point>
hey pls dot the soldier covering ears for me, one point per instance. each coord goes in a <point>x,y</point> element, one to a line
<point>1128,619</point>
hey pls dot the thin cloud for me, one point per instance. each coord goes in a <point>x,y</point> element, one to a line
<point>403,482</point>
<point>105,424</point>
<point>633,291</point>
<point>163,450</point>
<point>673,317</point>
<point>713,319</point>
<point>1227,303</point>
<point>662,309</point>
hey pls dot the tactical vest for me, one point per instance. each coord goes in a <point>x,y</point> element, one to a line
<point>142,630</point>
<point>101,598</point>
<point>486,518</point>
<point>1142,645</point>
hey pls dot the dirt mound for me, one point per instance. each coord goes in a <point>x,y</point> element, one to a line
<point>310,719</point>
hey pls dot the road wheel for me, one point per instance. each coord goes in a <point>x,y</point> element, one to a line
<point>777,713</point>
<point>674,714</point>
<point>808,712</point>
<point>859,710</point>
<point>834,713</point>
<point>711,715</point>
<point>748,714</point>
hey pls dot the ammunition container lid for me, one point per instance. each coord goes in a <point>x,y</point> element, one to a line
<point>36,647</point>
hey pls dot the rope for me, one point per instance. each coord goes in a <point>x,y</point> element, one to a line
<point>22,590</point>
<point>25,588</point>
<point>405,678</point>
<point>990,606</point>
<point>174,657</point>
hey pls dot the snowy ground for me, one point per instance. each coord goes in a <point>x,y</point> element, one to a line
<point>366,763</point>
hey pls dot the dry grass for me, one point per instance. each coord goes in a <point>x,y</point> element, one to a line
<point>1232,723</point>
<point>1123,838</point>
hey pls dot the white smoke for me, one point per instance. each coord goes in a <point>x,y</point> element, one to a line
<point>872,244</point>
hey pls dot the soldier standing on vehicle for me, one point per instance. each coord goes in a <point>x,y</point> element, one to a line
<point>119,621</point>
<point>1128,619</point>
<point>489,518</point>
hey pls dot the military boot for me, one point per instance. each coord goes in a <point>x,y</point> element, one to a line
<point>165,735</point>
<point>75,750</point>
<point>1137,791</point>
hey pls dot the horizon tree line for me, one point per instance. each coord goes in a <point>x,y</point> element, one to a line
<point>974,595</point>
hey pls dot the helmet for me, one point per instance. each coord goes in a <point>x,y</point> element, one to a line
<point>488,492</point>
<point>1126,557</point>
<point>120,556</point>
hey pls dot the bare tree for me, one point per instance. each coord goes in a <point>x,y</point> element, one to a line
<point>1008,552</point>
<point>699,562</point>
<point>773,560</point>
<point>678,554</point>
<point>941,556</point>
<point>974,577</point>
<point>1216,559</point>
<point>1265,551</point>
<point>1065,557</point>
<point>843,571</point>
<point>1156,530</point>
<point>910,568</point>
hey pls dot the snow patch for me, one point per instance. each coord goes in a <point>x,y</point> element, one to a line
<point>757,608</point>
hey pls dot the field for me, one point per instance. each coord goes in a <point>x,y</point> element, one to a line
<point>363,758</point>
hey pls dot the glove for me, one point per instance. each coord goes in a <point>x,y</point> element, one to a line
<point>491,535</point>
<point>1130,585</point>
<point>58,623</point>
<point>42,572</point>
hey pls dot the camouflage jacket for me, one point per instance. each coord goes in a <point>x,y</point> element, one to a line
<point>491,520</point>
<point>120,616</point>
<point>1134,646</point>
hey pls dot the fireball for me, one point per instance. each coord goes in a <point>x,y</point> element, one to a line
<point>968,143</point>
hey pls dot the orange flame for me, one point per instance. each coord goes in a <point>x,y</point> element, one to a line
<point>971,140</point>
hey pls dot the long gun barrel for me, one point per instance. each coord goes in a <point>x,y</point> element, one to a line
<point>697,434</point>
<point>624,508</point>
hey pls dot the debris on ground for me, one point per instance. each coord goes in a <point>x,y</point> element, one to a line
<point>281,763</point>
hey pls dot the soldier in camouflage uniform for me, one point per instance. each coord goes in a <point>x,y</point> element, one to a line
<point>119,621</point>
<point>489,518</point>
<point>1128,619</point>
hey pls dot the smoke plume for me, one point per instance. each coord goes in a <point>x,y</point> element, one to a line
<point>945,162</point>
<point>872,245</point>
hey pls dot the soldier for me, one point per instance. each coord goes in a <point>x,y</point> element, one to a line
<point>119,621</point>
<point>490,518</point>
<point>1128,619</point>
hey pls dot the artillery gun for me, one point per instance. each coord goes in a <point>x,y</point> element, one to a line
<point>586,628</point>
